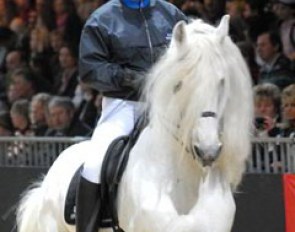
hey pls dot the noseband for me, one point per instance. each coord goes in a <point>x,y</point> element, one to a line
<point>208,114</point>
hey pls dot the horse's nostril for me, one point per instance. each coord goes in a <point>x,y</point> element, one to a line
<point>219,149</point>
<point>198,151</point>
<point>207,155</point>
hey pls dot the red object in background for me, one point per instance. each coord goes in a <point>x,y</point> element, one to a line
<point>289,192</point>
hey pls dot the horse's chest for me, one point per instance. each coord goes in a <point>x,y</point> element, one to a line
<point>184,194</point>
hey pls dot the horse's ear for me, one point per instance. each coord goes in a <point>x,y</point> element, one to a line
<point>179,32</point>
<point>223,28</point>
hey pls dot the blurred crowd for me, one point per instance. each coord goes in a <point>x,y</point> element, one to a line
<point>40,91</point>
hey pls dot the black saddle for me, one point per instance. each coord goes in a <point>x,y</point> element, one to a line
<point>113,166</point>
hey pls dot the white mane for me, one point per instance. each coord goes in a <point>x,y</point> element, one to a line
<point>187,76</point>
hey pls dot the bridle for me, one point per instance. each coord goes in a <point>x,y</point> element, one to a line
<point>205,114</point>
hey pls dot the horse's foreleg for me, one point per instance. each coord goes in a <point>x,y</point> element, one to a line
<point>150,210</point>
<point>213,212</point>
<point>215,208</point>
<point>157,221</point>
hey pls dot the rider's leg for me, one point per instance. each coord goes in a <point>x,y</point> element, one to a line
<point>118,118</point>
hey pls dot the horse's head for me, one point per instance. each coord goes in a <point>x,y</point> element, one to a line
<point>211,84</point>
<point>197,88</point>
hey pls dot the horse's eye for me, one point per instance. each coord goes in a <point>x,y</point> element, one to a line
<point>177,87</point>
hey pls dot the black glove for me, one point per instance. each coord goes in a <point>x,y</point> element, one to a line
<point>133,79</point>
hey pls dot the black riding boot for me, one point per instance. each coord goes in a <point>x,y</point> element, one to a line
<point>86,201</point>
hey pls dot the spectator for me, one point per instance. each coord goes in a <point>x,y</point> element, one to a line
<point>22,85</point>
<point>14,59</point>
<point>40,56</point>
<point>67,21</point>
<point>213,10</point>
<point>67,80</point>
<point>23,8</point>
<point>64,122</point>
<point>18,26</point>
<point>85,106</point>
<point>38,107</point>
<point>248,51</point>
<point>285,11</point>
<point>19,114</point>
<point>267,108</point>
<point>56,43</point>
<point>238,26</point>
<point>5,14</point>
<point>288,111</point>
<point>257,18</point>
<point>193,8</point>
<point>275,67</point>
<point>44,15</point>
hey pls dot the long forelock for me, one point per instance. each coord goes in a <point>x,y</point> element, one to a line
<point>180,83</point>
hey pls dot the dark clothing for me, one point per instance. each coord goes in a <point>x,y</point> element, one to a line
<point>288,132</point>
<point>65,83</point>
<point>76,128</point>
<point>72,30</point>
<point>280,74</point>
<point>39,130</point>
<point>128,39</point>
<point>88,113</point>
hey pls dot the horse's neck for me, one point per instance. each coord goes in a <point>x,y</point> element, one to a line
<point>181,170</point>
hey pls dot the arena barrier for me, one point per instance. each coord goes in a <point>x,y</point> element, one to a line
<point>269,155</point>
<point>33,151</point>
<point>265,199</point>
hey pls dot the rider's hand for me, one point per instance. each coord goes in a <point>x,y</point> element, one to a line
<point>133,79</point>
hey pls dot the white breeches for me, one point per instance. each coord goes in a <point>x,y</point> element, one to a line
<point>117,118</point>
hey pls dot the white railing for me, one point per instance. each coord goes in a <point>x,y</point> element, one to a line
<point>33,151</point>
<point>272,155</point>
<point>269,155</point>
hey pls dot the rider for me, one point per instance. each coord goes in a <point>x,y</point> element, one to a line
<point>120,41</point>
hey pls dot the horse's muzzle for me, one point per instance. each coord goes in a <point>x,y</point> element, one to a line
<point>209,154</point>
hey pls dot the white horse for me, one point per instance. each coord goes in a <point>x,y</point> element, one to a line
<point>191,156</point>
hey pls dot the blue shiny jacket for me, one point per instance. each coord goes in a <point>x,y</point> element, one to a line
<point>116,37</point>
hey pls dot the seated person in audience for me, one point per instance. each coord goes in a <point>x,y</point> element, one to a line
<point>38,107</point>
<point>22,85</point>
<point>19,114</point>
<point>14,59</point>
<point>6,128</point>
<point>84,101</point>
<point>275,67</point>
<point>66,81</point>
<point>285,11</point>
<point>267,107</point>
<point>288,111</point>
<point>56,42</point>
<point>63,120</point>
